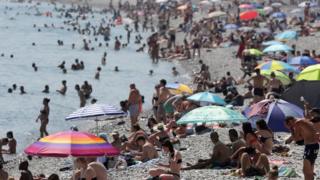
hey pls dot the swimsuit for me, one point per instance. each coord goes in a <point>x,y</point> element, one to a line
<point>311,152</point>
<point>300,142</point>
<point>258,92</point>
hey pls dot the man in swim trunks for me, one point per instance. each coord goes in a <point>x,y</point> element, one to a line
<point>134,101</point>
<point>305,129</point>
<point>163,96</point>
<point>258,86</point>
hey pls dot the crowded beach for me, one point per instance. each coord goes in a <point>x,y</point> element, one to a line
<point>250,109</point>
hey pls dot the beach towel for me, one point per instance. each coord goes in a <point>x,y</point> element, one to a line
<point>287,172</point>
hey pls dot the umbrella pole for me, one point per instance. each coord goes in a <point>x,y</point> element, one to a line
<point>97,126</point>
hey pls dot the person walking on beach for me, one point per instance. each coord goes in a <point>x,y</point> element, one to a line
<point>44,118</point>
<point>305,129</point>
<point>134,101</point>
<point>81,95</point>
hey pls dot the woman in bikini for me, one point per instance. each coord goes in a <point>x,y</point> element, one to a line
<point>265,137</point>
<point>169,171</point>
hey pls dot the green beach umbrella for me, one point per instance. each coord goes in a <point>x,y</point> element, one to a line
<point>279,75</point>
<point>254,52</point>
<point>261,11</point>
<point>209,114</point>
<point>311,73</point>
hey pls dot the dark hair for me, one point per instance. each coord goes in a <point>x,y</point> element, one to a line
<point>163,81</point>
<point>288,119</point>
<point>233,132</point>
<point>247,129</point>
<point>263,125</point>
<point>142,138</point>
<point>9,134</point>
<point>213,133</point>
<point>53,177</point>
<point>136,127</point>
<point>151,120</point>
<point>23,165</point>
<point>169,145</point>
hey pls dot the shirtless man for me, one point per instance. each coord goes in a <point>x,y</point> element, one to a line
<point>12,143</point>
<point>134,101</point>
<point>63,90</point>
<point>100,170</point>
<point>305,129</point>
<point>81,96</point>
<point>163,95</point>
<point>258,86</point>
<point>274,84</point>
<point>86,89</point>
<point>147,150</point>
<point>220,155</point>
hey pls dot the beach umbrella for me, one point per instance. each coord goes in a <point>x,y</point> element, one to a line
<point>302,61</point>
<point>279,15</point>
<point>254,52</point>
<point>268,9</point>
<point>249,15</point>
<point>178,88</point>
<point>297,10</point>
<point>270,43</point>
<point>127,21</point>
<point>96,112</point>
<point>246,6</point>
<point>276,4</point>
<point>263,31</point>
<point>273,112</point>
<point>161,1</point>
<point>231,26</point>
<point>311,73</point>
<point>277,66</point>
<point>257,5</point>
<point>207,97</point>
<point>285,80</point>
<point>307,3</point>
<point>261,11</point>
<point>277,48</point>
<point>216,14</point>
<point>205,2</point>
<point>246,28</point>
<point>287,35</point>
<point>210,114</point>
<point>71,143</point>
<point>309,90</point>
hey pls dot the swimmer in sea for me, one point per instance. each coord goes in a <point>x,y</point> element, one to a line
<point>174,71</point>
<point>151,72</point>
<point>35,68</point>
<point>63,89</point>
<point>116,69</point>
<point>97,75</point>
<point>22,91</point>
<point>46,89</point>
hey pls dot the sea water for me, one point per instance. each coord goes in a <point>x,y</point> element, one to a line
<point>19,112</point>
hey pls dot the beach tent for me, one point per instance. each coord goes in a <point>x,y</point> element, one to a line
<point>309,90</point>
<point>71,143</point>
<point>273,112</point>
<point>311,73</point>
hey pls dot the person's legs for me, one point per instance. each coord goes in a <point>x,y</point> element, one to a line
<point>156,172</point>
<point>200,165</point>
<point>263,163</point>
<point>307,170</point>
<point>245,162</point>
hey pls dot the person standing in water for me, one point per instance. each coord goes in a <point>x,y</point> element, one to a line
<point>44,117</point>
<point>81,96</point>
<point>134,101</point>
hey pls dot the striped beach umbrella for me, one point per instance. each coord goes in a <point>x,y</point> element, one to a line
<point>273,112</point>
<point>211,114</point>
<point>277,66</point>
<point>96,112</point>
<point>71,143</point>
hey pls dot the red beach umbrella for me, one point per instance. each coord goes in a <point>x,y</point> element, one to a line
<point>248,15</point>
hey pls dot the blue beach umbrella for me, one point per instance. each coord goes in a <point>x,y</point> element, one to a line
<point>270,43</point>
<point>302,61</point>
<point>287,35</point>
<point>277,48</point>
<point>273,112</point>
<point>207,97</point>
<point>231,26</point>
<point>280,15</point>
